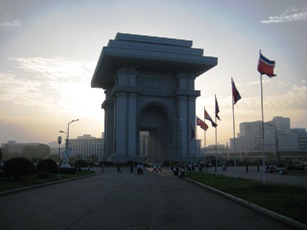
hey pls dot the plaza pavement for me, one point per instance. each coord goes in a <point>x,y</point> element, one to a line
<point>274,178</point>
<point>127,201</point>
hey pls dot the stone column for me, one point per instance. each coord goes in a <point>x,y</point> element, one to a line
<point>186,113</point>
<point>125,121</point>
<point>132,131</point>
<point>108,129</point>
<point>191,118</point>
<point>108,106</point>
<point>121,128</point>
<point>182,118</point>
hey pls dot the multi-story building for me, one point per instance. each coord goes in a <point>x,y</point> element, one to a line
<point>86,147</point>
<point>278,137</point>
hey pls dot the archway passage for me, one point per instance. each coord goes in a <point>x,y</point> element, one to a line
<point>154,120</point>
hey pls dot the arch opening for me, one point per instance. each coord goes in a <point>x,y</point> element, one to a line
<point>154,123</point>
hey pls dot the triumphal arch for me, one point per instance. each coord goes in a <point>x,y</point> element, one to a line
<point>149,87</point>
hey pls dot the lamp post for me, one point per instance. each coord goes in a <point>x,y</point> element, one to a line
<point>59,141</point>
<point>276,142</point>
<point>67,133</point>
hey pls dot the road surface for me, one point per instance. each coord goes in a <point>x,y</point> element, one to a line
<point>127,201</point>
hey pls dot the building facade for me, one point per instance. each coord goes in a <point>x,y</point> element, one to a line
<point>86,147</point>
<point>279,138</point>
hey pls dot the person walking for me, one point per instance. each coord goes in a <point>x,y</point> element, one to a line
<point>118,169</point>
<point>155,168</point>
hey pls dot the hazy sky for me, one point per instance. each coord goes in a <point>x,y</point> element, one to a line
<point>49,50</point>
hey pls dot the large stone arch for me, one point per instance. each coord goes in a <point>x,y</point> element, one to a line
<point>149,86</point>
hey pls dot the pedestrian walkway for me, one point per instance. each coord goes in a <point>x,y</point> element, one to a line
<point>274,178</point>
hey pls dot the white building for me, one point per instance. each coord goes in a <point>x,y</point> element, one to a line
<point>278,136</point>
<point>86,147</point>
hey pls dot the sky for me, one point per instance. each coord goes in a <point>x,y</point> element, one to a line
<point>49,50</point>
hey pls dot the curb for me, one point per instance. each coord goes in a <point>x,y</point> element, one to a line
<point>267,212</point>
<point>42,185</point>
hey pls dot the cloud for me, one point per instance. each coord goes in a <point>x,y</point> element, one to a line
<point>289,15</point>
<point>11,24</point>
<point>49,85</point>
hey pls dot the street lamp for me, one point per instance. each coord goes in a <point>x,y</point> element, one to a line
<point>59,141</point>
<point>276,142</point>
<point>67,133</point>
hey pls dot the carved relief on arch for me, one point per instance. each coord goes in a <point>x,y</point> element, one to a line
<point>127,70</point>
<point>154,84</point>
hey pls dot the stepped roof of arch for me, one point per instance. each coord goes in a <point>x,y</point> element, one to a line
<point>149,53</point>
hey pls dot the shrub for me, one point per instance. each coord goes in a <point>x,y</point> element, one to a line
<point>67,170</point>
<point>47,165</point>
<point>43,175</point>
<point>17,167</point>
<point>80,163</point>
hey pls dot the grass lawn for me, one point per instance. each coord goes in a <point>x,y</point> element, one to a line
<point>286,200</point>
<point>8,183</point>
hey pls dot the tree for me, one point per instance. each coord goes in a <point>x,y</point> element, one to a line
<point>17,167</point>
<point>93,158</point>
<point>55,157</point>
<point>79,156</point>
<point>47,165</point>
<point>80,163</point>
<point>40,151</point>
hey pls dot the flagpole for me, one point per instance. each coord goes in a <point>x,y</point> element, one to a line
<point>215,142</point>
<point>262,124</point>
<point>234,132</point>
<point>195,146</point>
<point>205,145</point>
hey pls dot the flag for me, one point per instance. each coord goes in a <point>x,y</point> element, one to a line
<point>217,109</point>
<point>201,123</point>
<point>207,116</point>
<point>235,93</point>
<point>266,66</point>
<point>192,133</point>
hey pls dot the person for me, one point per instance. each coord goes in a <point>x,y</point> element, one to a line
<point>181,173</point>
<point>159,168</point>
<point>224,168</point>
<point>155,168</point>
<point>118,169</point>
<point>140,169</point>
<point>102,168</point>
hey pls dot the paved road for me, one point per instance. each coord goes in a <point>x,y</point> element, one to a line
<point>127,201</point>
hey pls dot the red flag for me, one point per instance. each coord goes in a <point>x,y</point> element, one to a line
<point>192,133</point>
<point>201,123</point>
<point>207,116</point>
<point>217,109</point>
<point>266,66</point>
<point>235,93</point>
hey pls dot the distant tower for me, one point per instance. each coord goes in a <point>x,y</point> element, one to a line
<point>149,87</point>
